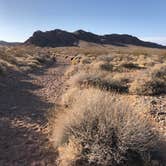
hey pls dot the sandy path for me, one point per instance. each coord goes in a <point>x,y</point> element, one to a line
<point>24,101</point>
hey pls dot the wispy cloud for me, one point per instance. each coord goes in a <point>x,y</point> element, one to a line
<point>156,39</point>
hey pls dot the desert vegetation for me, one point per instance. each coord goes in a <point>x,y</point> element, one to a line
<point>110,108</point>
<point>153,83</point>
<point>92,96</point>
<point>23,58</point>
<point>133,73</point>
<point>99,128</point>
<point>107,114</point>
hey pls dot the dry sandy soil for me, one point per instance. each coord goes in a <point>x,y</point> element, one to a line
<point>24,101</point>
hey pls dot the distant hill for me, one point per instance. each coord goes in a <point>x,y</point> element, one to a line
<point>4,43</point>
<point>60,38</point>
<point>55,38</point>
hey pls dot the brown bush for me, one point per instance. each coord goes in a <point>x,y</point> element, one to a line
<point>25,58</point>
<point>102,130</point>
<point>153,84</point>
<point>83,80</point>
<point>106,66</point>
<point>130,65</point>
<point>159,72</point>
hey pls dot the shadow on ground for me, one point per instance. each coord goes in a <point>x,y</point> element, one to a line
<point>22,117</point>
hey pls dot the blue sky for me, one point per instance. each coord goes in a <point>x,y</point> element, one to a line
<point>142,18</point>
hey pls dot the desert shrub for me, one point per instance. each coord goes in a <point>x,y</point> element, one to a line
<point>116,67</point>
<point>159,72</point>
<point>138,52</point>
<point>123,78</point>
<point>106,58</point>
<point>74,69</point>
<point>25,58</point>
<point>40,59</point>
<point>148,87</point>
<point>130,65</point>
<point>153,84</point>
<point>71,70</point>
<point>70,96</point>
<point>83,80</point>
<point>102,130</point>
<point>44,58</point>
<point>106,66</point>
<point>85,60</point>
<point>97,65</point>
<point>76,59</point>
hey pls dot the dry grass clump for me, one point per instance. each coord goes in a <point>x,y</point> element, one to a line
<point>99,129</point>
<point>130,65</point>
<point>146,61</point>
<point>159,72</point>
<point>70,97</point>
<point>153,84</point>
<point>122,77</point>
<point>25,58</point>
<point>118,63</point>
<point>84,80</point>
<point>74,69</point>
<point>75,60</point>
<point>102,66</point>
<point>106,58</point>
<point>106,67</point>
<point>86,60</point>
<point>81,58</point>
<point>145,86</point>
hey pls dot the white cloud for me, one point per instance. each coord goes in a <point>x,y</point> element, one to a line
<point>159,39</point>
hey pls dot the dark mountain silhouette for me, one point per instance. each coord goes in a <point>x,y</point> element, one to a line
<point>60,38</point>
<point>87,36</point>
<point>55,38</point>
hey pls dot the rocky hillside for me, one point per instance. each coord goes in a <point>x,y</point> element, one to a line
<point>55,38</point>
<point>60,38</point>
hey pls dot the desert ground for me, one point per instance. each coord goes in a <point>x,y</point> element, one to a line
<point>87,105</point>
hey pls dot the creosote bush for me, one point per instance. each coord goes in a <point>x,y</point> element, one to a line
<point>99,129</point>
<point>83,80</point>
<point>106,66</point>
<point>159,72</point>
<point>148,87</point>
<point>130,65</point>
<point>153,84</point>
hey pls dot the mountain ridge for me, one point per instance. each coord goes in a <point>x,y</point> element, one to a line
<point>5,43</point>
<point>60,38</point>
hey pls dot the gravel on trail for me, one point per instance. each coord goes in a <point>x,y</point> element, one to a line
<point>24,102</point>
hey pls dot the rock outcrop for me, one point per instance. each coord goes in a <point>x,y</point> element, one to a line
<point>60,38</point>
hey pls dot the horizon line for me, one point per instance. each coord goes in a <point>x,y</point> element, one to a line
<point>155,39</point>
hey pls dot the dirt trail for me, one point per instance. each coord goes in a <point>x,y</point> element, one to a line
<point>24,101</point>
